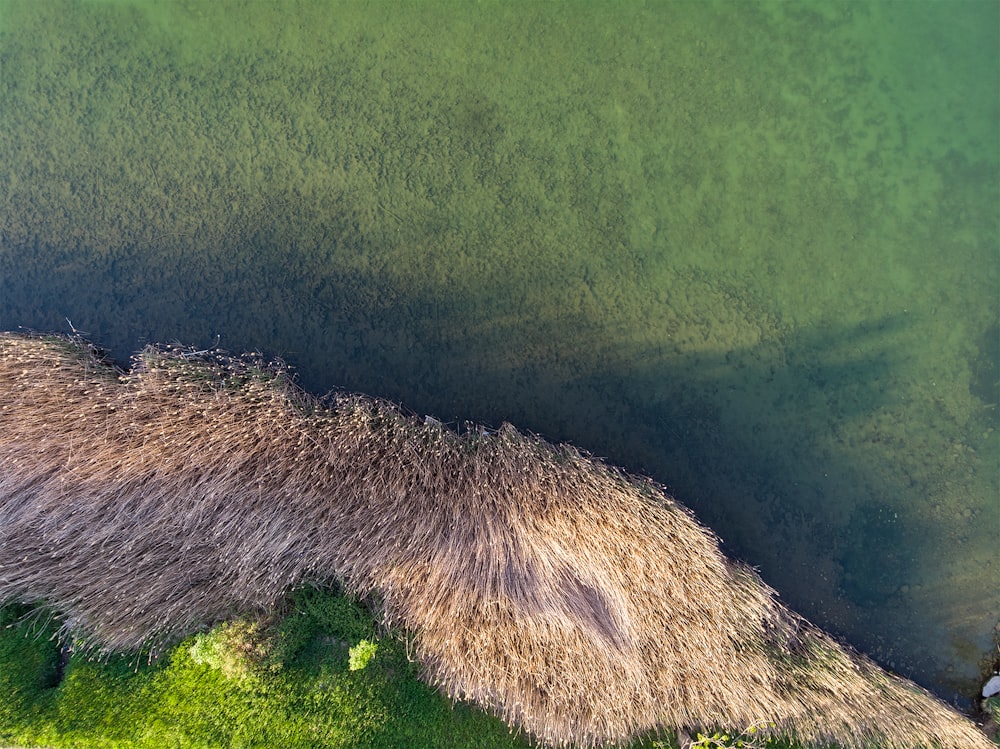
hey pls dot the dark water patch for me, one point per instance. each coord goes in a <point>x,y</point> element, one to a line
<point>874,560</point>
<point>985,367</point>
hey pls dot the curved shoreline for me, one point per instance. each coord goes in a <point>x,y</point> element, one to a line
<point>578,602</point>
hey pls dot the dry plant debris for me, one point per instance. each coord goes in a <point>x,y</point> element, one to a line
<point>580,603</point>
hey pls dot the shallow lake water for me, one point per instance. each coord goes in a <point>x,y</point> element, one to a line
<point>748,249</point>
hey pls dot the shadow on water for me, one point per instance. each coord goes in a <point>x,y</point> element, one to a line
<point>985,367</point>
<point>760,440</point>
<point>423,245</point>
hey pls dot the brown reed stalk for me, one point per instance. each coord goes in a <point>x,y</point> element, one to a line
<point>578,602</point>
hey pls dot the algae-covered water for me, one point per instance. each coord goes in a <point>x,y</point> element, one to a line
<point>749,249</point>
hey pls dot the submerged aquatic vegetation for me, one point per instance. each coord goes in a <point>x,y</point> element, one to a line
<point>576,601</point>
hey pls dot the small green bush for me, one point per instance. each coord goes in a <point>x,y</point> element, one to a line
<point>361,654</point>
<point>237,649</point>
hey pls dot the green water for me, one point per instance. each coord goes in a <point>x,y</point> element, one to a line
<point>750,249</point>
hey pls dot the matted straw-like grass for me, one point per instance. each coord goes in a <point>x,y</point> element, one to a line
<point>578,602</point>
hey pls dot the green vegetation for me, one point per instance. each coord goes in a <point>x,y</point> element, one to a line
<point>752,737</point>
<point>534,581</point>
<point>748,248</point>
<point>362,654</point>
<point>288,682</point>
<point>992,708</point>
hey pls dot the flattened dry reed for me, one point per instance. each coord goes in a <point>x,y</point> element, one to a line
<point>579,603</point>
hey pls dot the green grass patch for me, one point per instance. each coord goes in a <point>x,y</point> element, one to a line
<point>247,683</point>
<point>319,675</point>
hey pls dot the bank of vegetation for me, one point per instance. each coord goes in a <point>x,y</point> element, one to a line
<point>581,605</point>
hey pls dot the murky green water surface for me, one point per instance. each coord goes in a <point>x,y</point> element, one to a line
<point>750,249</point>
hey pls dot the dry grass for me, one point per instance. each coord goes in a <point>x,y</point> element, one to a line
<point>580,603</point>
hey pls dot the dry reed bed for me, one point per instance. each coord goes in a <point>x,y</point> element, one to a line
<point>579,603</point>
